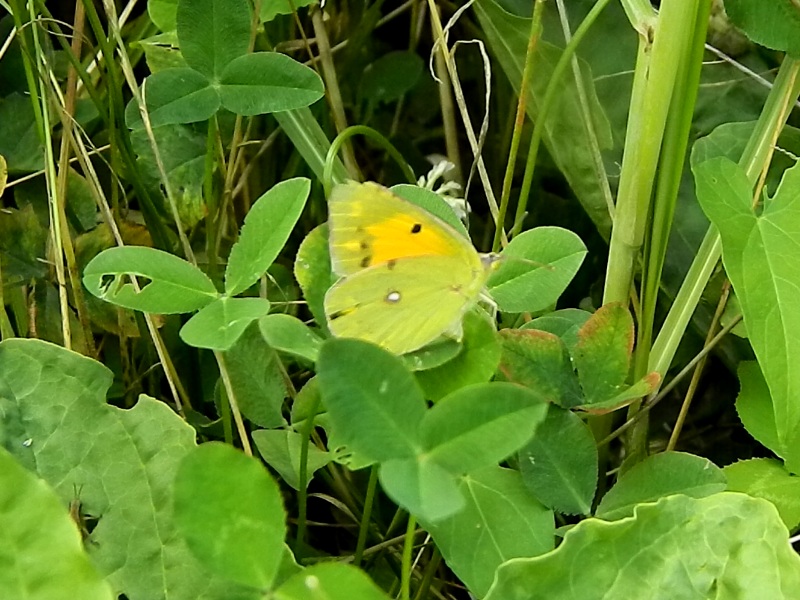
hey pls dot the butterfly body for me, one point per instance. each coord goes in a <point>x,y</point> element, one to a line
<point>407,276</point>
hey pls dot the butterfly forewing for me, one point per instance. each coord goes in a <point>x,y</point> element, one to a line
<point>405,305</point>
<point>369,226</point>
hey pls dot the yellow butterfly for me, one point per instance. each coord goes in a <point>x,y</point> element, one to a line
<point>407,277</point>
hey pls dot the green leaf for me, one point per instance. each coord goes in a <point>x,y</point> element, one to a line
<point>212,33</point>
<point>273,8</point>
<point>178,95</point>
<point>421,487</point>
<point>23,241</point>
<point>500,521</point>
<point>768,479</point>
<point>391,76</point>
<point>312,269</point>
<point>289,334</point>
<point>280,449</point>
<point>602,355</point>
<point>163,13</point>
<point>574,112</point>
<point>539,360</point>
<point>218,325</point>
<point>268,82</point>
<point>260,391</point>
<point>434,355</point>
<point>480,425</point>
<point>564,323</point>
<point>19,141</point>
<point>182,149</point>
<point>54,419</point>
<point>373,402</point>
<point>174,286</point>
<point>774,24</point>
<point>42,552</point>
<point>755,248</point>
<point>645,386</point>
<point>161,51</point>
<point>754,406</point>
<point>658,476</point>
<point>476,363</point>
<point>535,269</point>
<point>559,465</point>
<point>264,234</point>
<point>230,513</point>
<point>679,547</point>
<point>330,581</point>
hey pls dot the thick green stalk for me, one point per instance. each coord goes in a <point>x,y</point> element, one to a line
<point>657,71</point>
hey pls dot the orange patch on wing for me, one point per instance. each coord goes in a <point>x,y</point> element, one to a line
<point>403,237</point>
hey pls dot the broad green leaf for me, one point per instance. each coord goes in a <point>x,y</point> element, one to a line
<point>329,581</point>
<point>658,476</point>
<point>602,355</point>
<point>476,363</point>
<point>182,150</point>
<point>273,8</point>
<point>229,511</point>
<point>178,95</point>
<point>122,463</point>
<point>768,479</point>
<point>40,547</point>
<point>374,404</point>
<point>264,234</point>
<point>434,355</point>
<point>559,465</point>
<point>280,449</point>
<point>268,82</point>
<point>161,51</point>
<point>312,269</point>
<point>774,24</point>
<point>759,252</point>
<point>679,547</point>
<point>564,323</point>
<point>19,142</point>
<point>480,425</point>
<point>390,76</point>
<point>163,13</point>
<point>539,360</point>
<point>212,33</point>
<point>218,325</point>
<point>754,406</point>
<point>421,487</point>
<point>574,112</point>
<point>499,521</point>
<point>289,334</point>
<point>257,379</point>
<point>22,244</point>
<point>535,269</point>
<point>168,284</point>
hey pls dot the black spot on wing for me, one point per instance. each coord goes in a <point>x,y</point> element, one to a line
<point>366,261</point>
<point>416,228</point>
<point>391,264</point>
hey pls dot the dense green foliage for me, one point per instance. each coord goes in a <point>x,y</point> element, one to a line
<point>619,415</point>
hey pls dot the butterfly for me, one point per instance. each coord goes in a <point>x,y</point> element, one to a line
<point>407,277</point>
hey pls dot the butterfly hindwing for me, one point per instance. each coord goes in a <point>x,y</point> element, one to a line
<point>369,225</point>
<point>404,305</point>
